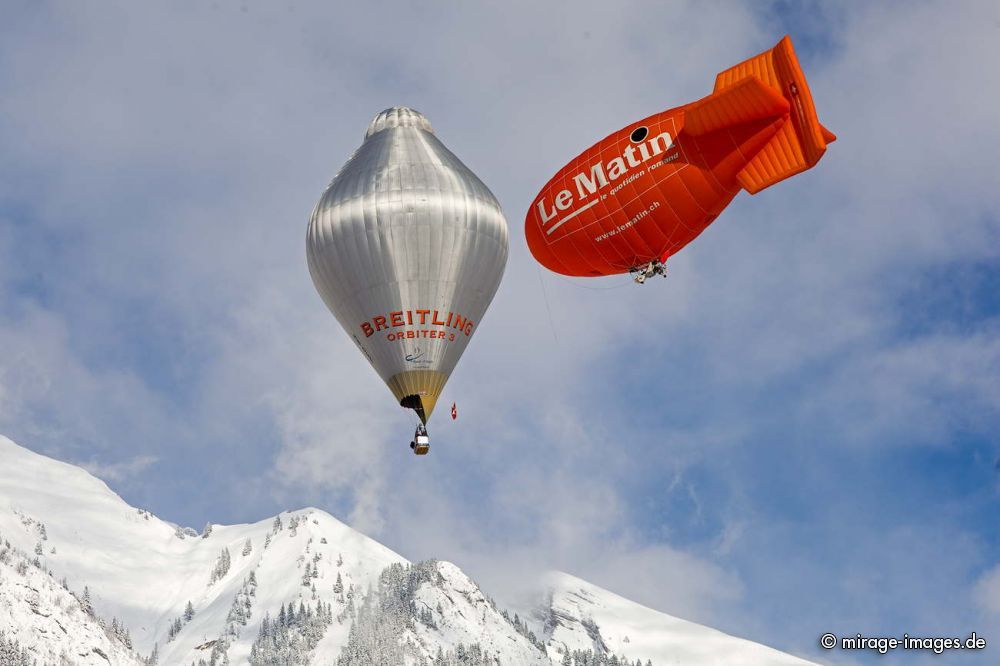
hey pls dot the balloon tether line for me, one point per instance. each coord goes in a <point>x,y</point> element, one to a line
<point>545,298</point>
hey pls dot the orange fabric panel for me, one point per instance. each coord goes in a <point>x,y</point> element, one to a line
<point>800,144</point>
<point>746,100</point>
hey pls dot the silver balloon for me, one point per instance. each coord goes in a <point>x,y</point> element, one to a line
<point>407,247</point>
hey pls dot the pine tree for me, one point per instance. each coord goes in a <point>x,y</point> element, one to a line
<point>291,637</point>
<point>12,653</point>
<point>88,608</point>
<point>218,656</point>
<point>207,531</point>
<point>175,628</point>
<point>221,566</point>
<point>188,612</point>
<point>338,586</point>
<point>247,547</point>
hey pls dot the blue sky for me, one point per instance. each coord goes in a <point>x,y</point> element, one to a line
<point>792,434</point>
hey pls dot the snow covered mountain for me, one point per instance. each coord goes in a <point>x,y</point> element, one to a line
<point>299,588</point>
<point>583,617</point>
<point>42,621</point>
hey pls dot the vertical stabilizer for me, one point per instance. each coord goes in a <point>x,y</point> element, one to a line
<point>801,141</point>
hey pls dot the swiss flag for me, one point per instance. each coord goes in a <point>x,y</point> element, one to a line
<point>454,412</point>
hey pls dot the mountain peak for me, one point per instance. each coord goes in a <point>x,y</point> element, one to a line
<point>303,587</point>
<point>582,616</point>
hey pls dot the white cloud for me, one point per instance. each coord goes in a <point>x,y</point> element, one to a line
<point>169,194</point>
<point>987,591</point>
<point>118,471</point>
<point>52,397</point>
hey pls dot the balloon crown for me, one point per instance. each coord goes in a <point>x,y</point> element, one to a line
<point>398,116</point>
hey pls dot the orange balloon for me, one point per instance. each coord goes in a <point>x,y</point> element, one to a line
<point>644,192</point>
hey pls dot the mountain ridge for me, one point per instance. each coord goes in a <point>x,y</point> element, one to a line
<point>226,595</point>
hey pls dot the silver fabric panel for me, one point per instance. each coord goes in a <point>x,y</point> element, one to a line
<point>406,226</point>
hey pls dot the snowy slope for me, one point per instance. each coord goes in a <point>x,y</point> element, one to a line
<point>581,616</point>
<point>47,621</point>
<point>461,614</point>
<point>139,571</point>
<point>432,613</point>
<point>330,595</point>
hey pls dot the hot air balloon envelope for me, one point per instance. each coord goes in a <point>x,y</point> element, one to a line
<point>407,247</point>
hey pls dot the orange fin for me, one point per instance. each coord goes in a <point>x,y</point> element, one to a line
<point>801,141</point>
<point>747,100</point>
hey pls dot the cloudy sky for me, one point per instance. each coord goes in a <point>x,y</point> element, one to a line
<point>792,434</point>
